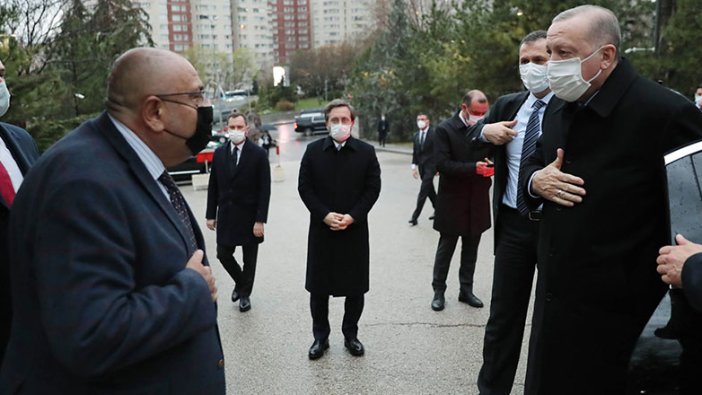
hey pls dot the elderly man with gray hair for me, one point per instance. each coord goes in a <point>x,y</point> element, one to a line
<point>598,171</point>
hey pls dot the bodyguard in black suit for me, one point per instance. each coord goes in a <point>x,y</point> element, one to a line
<point>423,165</point>
<point>463,204</point>
<point>599,173</point>
<point>111,292</point>
<point>515,232</point>
<point>339,183</point>
<point>238,195</point>
<point>17,153</point>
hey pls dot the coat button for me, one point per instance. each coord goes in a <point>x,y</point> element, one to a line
<point>220,363</point>
<point>549,296</point>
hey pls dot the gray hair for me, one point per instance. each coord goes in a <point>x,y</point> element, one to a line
<point>604,26</point>
<point>338,103</point>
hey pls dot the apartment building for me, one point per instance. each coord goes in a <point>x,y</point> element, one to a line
<point>334,21</point>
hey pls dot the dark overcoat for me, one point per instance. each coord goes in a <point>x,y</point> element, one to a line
<point>463,203</point>
<point>423,154</point>
<point>102,300</point>
<point>346,182</point>
<point>24,151</point>
<point>597,260</point>
<point>238,195</point>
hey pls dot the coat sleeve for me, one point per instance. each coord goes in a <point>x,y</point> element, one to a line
<point>95,318</point>
<point>307,189</point>
<point>264,187</point>
<point>692,281</point>
<point>442,154</point>
<point>371,189</point>
<point>415,149</point>
<point>212,190</point>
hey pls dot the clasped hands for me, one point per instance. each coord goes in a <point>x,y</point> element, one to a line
<point>337,221</point>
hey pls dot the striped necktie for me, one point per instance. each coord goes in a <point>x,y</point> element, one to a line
<point>180,206</point>
<point>530,136</point>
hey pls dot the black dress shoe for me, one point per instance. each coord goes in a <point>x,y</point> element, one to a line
<point>413,222</point>
<point>235,296</point>
<point>244,304</point>
<point>354,346</point>
<point>437,304</point>
<point>468,297</point>
<point>318,348</point>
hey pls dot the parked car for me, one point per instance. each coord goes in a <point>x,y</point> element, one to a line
<point>310,121</point>
<point>183,172</point>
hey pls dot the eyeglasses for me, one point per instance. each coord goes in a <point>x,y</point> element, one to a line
<point>196,97</point>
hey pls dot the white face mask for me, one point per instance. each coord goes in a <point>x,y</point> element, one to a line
<point>565,77</point>
<point>473,119</point>
<point>237,136</point>
<point>698,100</point>
<point>4,99</point>
<point>534,77</point>
<point>340,132</point>
<point>421,125</point>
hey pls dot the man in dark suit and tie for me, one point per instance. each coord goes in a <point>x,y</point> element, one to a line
<point>423,165</point>
<point>111,290</point>
<point>17,153</point>
<point>599,172</point>
<point>339,183</point>
<point>463,203</point>
<point>516,228</point>
<point>237,204</point>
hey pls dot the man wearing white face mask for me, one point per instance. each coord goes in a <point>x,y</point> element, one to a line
<point>339,183</point>
<point>512,126</point>
<point>237,204</point>
<point>423,165</point>
<point>598,172</point>
<point>17,153</point>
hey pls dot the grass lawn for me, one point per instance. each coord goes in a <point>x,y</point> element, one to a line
<point>310,102</point>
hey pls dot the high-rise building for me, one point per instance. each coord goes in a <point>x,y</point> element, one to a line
<point>254,29</point>
<point>335,21</point>
<point>294,27</point>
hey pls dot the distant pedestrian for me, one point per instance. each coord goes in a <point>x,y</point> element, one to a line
<point>266,142</point>
<point>237,205</point>
<point>383,130</point>
<point>698,97</point>
<point>339,183</point>
<point>423,165</point>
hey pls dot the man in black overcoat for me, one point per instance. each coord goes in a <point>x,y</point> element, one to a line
<point>423,165</point>
<point>463,204</point>
<point>238,195</point>
<point>339,182</point>
<point>599,172</point>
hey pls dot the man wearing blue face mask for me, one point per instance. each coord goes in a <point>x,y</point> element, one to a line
<point>17,153</point>
<point>238,195</point>
<point>598,172</point>
<point>339,183</point>
<point>516,227</point>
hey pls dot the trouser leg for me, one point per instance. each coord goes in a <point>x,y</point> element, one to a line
<point>444,253</point>
<point>353,308</point>
<point>425,190</point>
<point>515,263</point>
<point>319,307</point>
<point>469,254</point>
<point>225,254</point>
<point>250,253</point>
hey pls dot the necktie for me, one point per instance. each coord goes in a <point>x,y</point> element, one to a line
<point>528,147</point>
<point>6,189</point>
<point>180,207</point>
<point>236,156</point>
<point>423,136</point>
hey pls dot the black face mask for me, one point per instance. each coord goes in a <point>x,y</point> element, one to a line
<point>198,141</point>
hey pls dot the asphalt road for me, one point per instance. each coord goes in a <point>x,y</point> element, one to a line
<point>410,349</point>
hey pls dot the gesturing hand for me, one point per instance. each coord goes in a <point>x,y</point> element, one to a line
<point>195,263</point>
<point>500,133</point>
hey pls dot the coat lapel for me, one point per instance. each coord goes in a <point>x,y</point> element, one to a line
<point>105,126</point>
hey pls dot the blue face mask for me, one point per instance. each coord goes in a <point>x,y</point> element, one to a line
<point>4,99</point>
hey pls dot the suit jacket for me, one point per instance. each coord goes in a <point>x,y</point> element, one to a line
<point>597,259</point>
<point>463,203</point>
<point>238,195</point>
<point>101,297</point>
<point>423,154</point>
<point>25,153</point>
<point>383,126</point>
<point>346,182</point>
